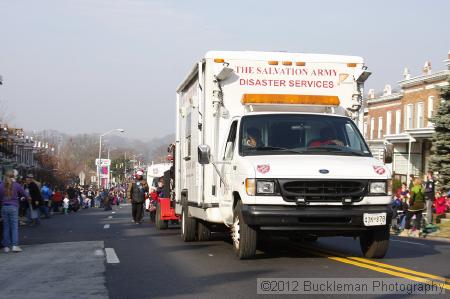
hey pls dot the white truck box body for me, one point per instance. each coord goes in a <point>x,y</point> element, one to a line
<point>256,77</point>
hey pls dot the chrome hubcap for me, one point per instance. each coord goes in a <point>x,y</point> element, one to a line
<point>182,223</point>
<point>235,232</point>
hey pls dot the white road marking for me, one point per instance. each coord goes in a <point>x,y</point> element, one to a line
<point>109,217</point>
<point>210,254</point>
<point>99,252</point>
<point>106,226</point>
<point>111,256</point>
<point>113,212</point>
<point>415,243</point>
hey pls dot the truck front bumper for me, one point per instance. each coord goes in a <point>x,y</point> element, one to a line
<point>321,220</point>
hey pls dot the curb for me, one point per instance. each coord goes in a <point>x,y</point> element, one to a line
<point>427,238</point>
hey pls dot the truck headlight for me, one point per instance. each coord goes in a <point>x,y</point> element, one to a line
<point>265,187</point>
<point>378,188</point>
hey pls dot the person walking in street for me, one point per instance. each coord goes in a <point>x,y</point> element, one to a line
<point>46,194</point>
<point>416,207</point>
<point>108,200</point>
<point>10,194</point>
<point>429,195</point>
<point>34,189</point>
<point>66,204</point>
<point>136,193</point>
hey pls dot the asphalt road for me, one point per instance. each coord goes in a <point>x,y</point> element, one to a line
<point>157,264</point>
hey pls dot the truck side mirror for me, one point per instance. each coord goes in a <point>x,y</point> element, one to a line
<point>388,153</point>
<point>204,153</point>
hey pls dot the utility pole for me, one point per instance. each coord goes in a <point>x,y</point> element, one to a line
<point>125,168</point>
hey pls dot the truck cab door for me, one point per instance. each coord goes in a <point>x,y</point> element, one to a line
<point>227,169</point>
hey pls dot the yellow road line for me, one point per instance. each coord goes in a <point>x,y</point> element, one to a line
<point>377,269</point>
<point>384,265</point>
<point>401,269</point>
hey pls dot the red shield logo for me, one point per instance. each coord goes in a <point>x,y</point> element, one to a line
<point>379,169</point>
<point>265,168</point>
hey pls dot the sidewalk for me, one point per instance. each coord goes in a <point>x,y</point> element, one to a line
<point>54,270</point>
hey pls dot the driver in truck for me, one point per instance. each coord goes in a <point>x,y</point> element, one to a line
<point>253,138</point>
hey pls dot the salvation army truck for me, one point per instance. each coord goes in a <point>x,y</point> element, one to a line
<point>269,142</point>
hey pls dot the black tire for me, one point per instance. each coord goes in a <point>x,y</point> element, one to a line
<point>188,226</point>
<point>244,237</point>
<point>375,243</point>
<point>153,216</point>
<point>311,238</point>
<point>160,224</point>
<point>203,231</point>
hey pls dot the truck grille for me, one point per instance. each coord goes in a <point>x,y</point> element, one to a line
<point>323,190</point>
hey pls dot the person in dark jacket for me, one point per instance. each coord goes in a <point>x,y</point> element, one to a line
<point>137,192</point>
<point>429,195</point>
<point>34,189</point>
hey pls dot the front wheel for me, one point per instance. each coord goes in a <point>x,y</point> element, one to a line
<point>375,243</point>
<point>244,237</point>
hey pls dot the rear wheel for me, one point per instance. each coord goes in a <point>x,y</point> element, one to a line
<point>375,243</point>
<point>188,226</point>
<point>203,231</point>
<point>244,237</point>
<point>159,223</point>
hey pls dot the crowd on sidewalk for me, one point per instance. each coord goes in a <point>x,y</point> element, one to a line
<point>26,201</point>
<point>417,205</point>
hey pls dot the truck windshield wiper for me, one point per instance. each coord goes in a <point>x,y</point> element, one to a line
<point>336,148</point>
<point>275,148</point>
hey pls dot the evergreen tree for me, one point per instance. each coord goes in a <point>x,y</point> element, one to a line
<point>440,150</point>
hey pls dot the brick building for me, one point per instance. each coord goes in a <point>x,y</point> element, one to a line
<point>403,119</point>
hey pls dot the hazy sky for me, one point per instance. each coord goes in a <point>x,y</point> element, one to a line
<point>94,65</point>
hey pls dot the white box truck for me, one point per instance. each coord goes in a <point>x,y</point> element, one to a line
<point>268,141</point>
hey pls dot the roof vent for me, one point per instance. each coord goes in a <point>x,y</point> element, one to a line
<point>406,74</point>
<point>387,90</point>
<point>427,68</point>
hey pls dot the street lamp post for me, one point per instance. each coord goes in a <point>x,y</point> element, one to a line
<point>100,152</point>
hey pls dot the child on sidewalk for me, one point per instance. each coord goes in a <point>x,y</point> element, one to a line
<point>66,203</point>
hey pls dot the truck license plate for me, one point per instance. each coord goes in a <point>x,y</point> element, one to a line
<point>374,219</point>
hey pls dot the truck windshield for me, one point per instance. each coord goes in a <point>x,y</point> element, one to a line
<point>279,134</point>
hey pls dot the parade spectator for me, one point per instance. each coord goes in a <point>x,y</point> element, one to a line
<point>403,190</point>
<point>429,195</point>
<point>108,200</point>
<point>91,195</point>
<point>411,181</point>
<point>440,203</point>
<point>447,202</point>
<point>10,194</point>
<point>66,201</point>
<point>97,200</point>
<point>57,198</point>
<point>416,207</point>
<point>34,189</point>
<point>137,192</point>
<point>46,195</point>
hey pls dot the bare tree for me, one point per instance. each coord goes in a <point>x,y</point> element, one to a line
<point>5,116</point>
